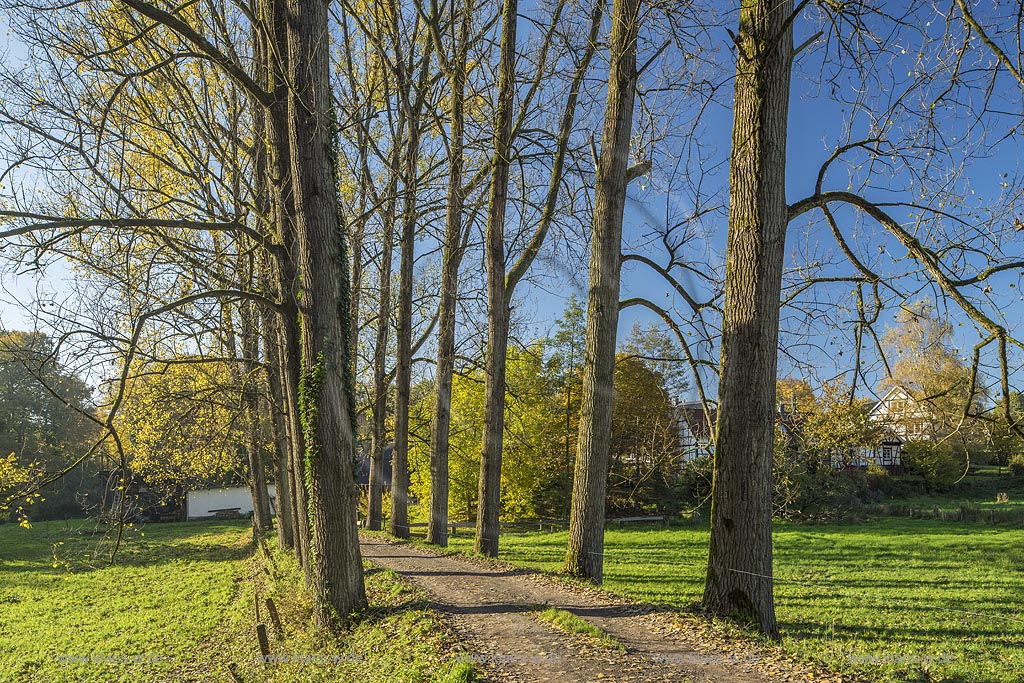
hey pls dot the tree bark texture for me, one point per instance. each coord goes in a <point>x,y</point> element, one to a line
<point>739,578</point>
<point>290,345</point>
<point>292,370</point>
<point>276,409</point>
<point>326,388</point>
<point>378,437</point>
<point>489,498</point>
<point>414,97</point>
<point>249,375</point>
<point>398,525</point>
<point>270,284</point>
<point>585,553</point>
<point>437,527</point>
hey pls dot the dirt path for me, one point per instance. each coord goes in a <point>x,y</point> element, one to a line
<point>491,611</point>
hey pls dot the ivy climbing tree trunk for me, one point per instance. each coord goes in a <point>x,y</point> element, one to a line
<point>584,556</point>
<point>326,388</point>
<point>739,578</point>
<point>489,497</point>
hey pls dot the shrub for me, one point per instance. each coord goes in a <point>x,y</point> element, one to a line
<point>878,478</point>
<point>1017,466</point>
<point>807,489</point>
<point>938,463</point>
<point>693,485</point>
<point>982,456</point>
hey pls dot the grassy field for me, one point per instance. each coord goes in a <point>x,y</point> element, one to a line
<point>894,600</point>
<point>178,606</point>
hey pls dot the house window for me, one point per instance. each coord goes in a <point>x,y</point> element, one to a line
<point>886,455</point>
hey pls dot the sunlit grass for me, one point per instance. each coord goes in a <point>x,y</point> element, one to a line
<point>897,600</point>
<point>179,606</point>
<point>570,623</point>
<point>67,616</point>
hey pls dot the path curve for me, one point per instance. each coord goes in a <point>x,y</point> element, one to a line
<point>490,609</point>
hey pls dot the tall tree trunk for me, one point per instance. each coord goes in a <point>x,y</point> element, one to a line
<point>489,499</point>
<point>277,407</point>
<point>326,390</point>
<point>739,579</point>
<point>269,283</point>
<point>398,525</point>
<point>500,284</point>
<point>356,237</point>
<point>437,527</point>
<point>413,96</point>
<point>249,374</point>
<point>292,370</point>
<point>585,554</point>
<point>378,439</point>
<point>275,16</point>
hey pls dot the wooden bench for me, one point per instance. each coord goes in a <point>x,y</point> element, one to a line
<point>625,520</point>
<point>227,513</point>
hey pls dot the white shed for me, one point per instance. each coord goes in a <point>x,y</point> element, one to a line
<point>208,502</point>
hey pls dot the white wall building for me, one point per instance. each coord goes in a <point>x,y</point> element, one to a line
<point>208,502</point>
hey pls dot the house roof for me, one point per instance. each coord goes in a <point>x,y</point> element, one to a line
<point>692,414</point>
<point>892,393</point>
<point>363,468</point>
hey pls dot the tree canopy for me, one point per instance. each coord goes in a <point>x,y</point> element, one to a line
<point>47,428</point>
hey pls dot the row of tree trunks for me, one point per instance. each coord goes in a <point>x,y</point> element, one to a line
<point>740,564</point>
<point>314,422</point>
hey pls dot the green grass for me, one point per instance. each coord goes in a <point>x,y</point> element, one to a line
<point>66,616</point>
<point>895,600</point>
<point>397,639</point>
<point>570,623</point>
<point>178,606</point>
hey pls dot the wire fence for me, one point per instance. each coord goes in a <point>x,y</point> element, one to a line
<point>888,600</point>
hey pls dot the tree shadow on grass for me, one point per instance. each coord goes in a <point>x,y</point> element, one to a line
<point>78,551</point>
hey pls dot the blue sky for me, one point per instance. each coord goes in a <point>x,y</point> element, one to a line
<point>816,125</point>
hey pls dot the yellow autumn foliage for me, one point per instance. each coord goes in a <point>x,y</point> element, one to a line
<point>182,424</point>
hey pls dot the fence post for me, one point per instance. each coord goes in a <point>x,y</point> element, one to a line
<point>261,635</point>
<point>275,618</point>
